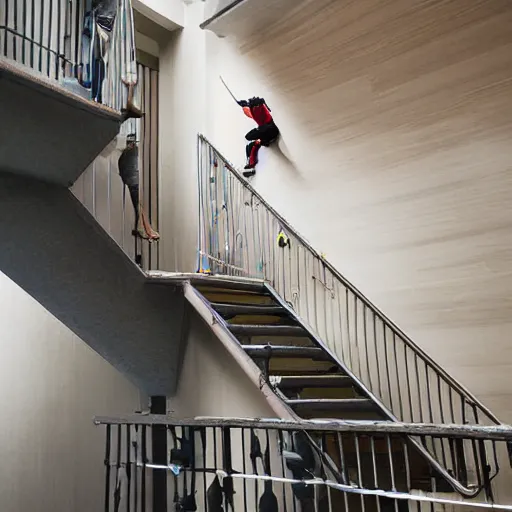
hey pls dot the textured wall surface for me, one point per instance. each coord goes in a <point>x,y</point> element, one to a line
<point>51,386</point>
<point>397,117</point>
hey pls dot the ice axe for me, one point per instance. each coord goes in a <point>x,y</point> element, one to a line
<point>227,88</point>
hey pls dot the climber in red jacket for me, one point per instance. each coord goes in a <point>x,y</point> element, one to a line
<point>264,135</point>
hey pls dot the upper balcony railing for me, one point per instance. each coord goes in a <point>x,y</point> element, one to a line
<point>86,45</point>
<point>88,48</point>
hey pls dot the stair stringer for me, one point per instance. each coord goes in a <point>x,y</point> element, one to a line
<point>57,252</point>
<point>217,325</point>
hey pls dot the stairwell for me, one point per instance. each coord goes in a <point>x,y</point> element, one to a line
<point>314,345</point>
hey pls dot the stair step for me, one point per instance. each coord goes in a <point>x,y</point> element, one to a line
<point>314,381</point>
<point>235,297</point>
<point>231,286</point>
<point>248,309</point>
<point>335,405</point>
<point>268,330</point>
<point>260,351</point>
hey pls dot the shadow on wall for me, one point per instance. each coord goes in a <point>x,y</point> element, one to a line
<point>280,159</point>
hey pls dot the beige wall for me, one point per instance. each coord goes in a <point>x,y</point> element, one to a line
<point>398,119</point>
<point>183,81</point>
<point>52,384</point>
<point>213,384</point>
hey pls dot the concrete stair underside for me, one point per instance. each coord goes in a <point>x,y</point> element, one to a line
<point>47,132</point>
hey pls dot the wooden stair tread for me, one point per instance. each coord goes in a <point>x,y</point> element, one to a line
<point>313,381</point>
<point>342,405</point>
<point>264,351</point>
<point>248,309</point>
<point>231,286</point>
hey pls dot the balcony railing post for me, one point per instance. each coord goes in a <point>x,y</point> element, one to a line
<point>159,455</point>
<point>107,467</point>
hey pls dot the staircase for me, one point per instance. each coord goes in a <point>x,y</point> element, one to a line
<point>309,380</point>
<point>312,383</point>
<point>318,343</point>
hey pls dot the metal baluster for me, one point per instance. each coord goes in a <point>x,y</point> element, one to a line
<point>391,468</point>
<point>400,404</point>
<point>244,469</point>
<point>15,34</point>
<point>409,393</point>
<point>441,414</point>
<point>136,469</point>
<point>203,432</point>
<point>107,468</point>
<point>24,18</point>
<point>6,23</point>
<point>283,470</point>
<point>374,463</point>
<point>59,22</point>
<point>339,316</point>
<point>356,338</point>
<point>328,300</point>
<point>387,366</point>
<point>419,387</point>
<point>32,30</point>
<point>480,463</point>
<point>377,356</point>
<point>407,466</point>
<point>143,476</point>
<point>360,483</point>
<point>343,467</point>
<point>429,394</point>
<point>315,293</point>
<point>367,355</point>
<point>227,461</point>
<point>118,465</point>
<point>128,467</point>
<point>430,409</point>
<point>49,49</point>
<point>347,314</point>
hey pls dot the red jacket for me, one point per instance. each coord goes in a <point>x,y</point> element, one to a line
<point>257,109</point>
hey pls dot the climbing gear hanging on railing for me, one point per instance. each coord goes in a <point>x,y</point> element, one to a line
<point>283,240</point>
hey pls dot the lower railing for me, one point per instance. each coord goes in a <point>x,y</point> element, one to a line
<point>242,235</point>
<point>86,45</point>
<point>270,465</point>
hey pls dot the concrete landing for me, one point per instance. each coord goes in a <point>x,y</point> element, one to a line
<point>47,132</point>
<point>54,249</point>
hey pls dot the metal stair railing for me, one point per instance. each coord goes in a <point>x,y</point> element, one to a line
<point>240,234</point>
